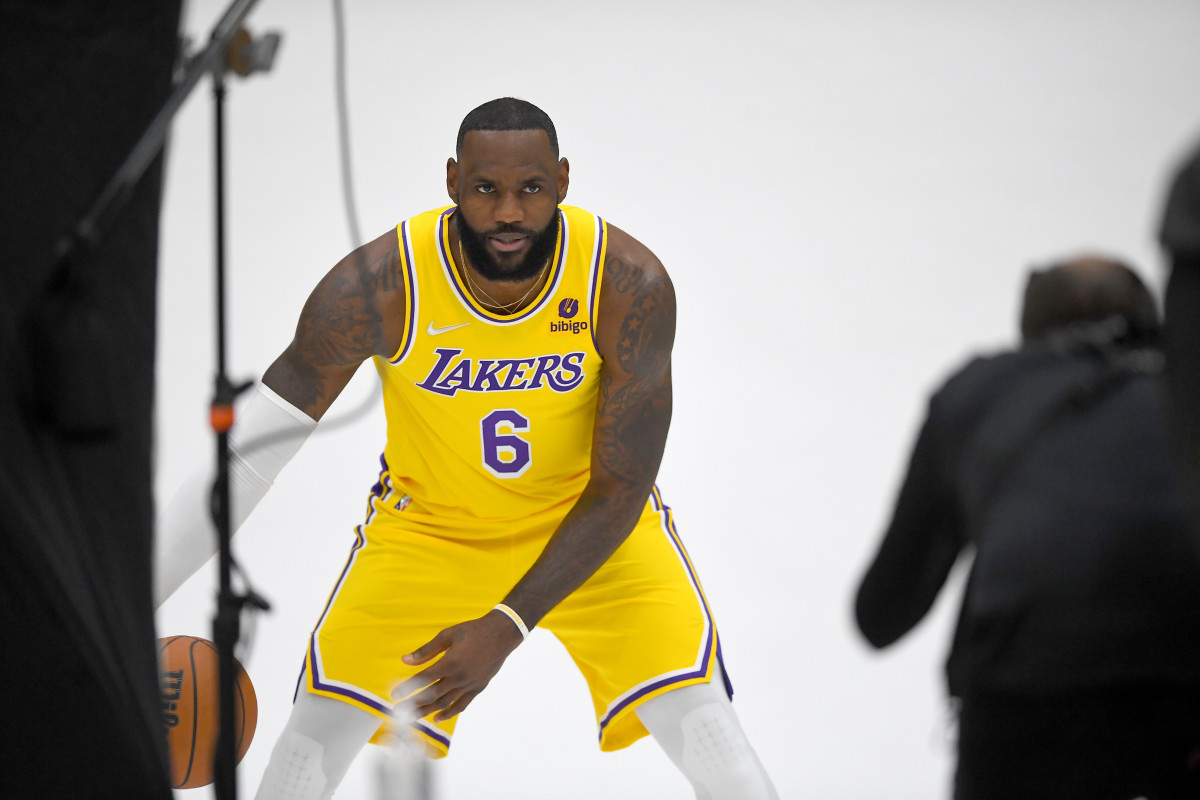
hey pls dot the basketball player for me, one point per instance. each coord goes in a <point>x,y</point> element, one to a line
<point>525,349</point>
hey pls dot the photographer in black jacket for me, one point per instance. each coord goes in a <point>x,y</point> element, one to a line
<point>1077,652</point>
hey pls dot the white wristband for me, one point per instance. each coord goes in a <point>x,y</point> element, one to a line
<point>515,617</point>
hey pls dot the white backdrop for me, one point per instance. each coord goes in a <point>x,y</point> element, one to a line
<point>847,197</point>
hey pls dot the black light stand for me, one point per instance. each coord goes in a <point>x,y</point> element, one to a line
<point>245,57</point>
<point>229,47</point>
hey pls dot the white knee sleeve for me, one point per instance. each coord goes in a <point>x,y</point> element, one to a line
<point>319,743</point>
<point>267,433</point>
<point>698,729</point>
<point>295,771</point>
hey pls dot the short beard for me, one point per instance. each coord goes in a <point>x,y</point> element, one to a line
<point>542,244</point>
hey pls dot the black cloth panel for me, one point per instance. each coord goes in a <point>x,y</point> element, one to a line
<point>81,81</point>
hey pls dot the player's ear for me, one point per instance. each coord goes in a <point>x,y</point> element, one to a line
<point>564,178</point>
<point>452,179</point>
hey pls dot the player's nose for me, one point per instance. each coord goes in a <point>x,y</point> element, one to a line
<point>508,210</point>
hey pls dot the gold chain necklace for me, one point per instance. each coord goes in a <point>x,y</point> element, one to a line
<point>476,291</point>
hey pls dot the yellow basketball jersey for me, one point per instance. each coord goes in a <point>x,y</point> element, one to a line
<point>490,416</point>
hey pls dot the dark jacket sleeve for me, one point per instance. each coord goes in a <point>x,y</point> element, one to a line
<point>920,546</point>
<point>1179,231</point>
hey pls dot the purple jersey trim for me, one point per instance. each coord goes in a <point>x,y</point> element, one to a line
<point>594,300</point>
<point>410,327</point>
<point>559,268</point>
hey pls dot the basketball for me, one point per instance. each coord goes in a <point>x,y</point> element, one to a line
<point>187,677</point>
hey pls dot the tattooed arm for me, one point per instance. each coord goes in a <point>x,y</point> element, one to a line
<point>635,335</point>
<point>355,312</point>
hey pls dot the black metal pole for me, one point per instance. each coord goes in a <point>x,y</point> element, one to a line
<point>225,624</point>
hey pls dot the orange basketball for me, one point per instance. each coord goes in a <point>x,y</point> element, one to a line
<point>187,678</point>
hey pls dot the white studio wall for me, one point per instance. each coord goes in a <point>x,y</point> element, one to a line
<point>847,197</point>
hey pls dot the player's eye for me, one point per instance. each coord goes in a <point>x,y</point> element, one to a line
<point>533,188</point>
<point>485,188</point>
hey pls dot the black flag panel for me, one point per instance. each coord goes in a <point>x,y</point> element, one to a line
<point>80,82</point>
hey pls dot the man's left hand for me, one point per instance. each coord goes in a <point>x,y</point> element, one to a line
<point>472,651</point>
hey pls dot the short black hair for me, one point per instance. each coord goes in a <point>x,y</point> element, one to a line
<point>507,114</point>
<point>1087,289</point>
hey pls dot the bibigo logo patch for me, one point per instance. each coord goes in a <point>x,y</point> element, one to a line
<point>567,309</point>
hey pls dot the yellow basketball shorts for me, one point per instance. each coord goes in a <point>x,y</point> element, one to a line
<point>637,628</point>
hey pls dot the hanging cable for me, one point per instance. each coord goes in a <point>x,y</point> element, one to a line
<point>339,59</point>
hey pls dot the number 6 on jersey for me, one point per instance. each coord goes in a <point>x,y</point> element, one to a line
<point>505,454</point>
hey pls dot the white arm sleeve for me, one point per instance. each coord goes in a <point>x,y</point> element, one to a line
<point>268,431</point>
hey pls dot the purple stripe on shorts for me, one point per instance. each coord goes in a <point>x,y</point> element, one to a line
<point>350,693</point>
<point>724,672</point>
<point>376,491</point>
<point>432,732</point>
<point>664,509</point>
<point>697,673</point>
<point>362,539</point>
<point>300,678</point>
<point>420,725</point>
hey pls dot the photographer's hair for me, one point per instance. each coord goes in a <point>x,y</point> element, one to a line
<point>507,114</point>
<point>1087,289</point>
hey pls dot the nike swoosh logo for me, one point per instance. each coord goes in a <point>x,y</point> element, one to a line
<point>432,331</point>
